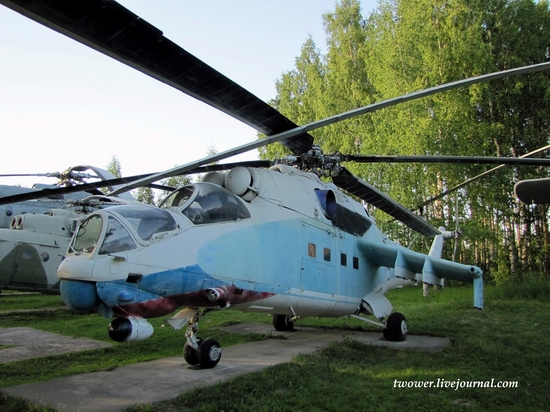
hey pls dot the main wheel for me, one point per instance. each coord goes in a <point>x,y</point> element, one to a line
<point>282,323</point>
<point>396,327</point>
<point>210,353</point>
<point>190,355</point>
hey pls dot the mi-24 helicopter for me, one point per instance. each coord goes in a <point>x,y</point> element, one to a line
<point>277,240</point>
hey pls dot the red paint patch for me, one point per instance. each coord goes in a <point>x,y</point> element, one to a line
<point>163,306</point>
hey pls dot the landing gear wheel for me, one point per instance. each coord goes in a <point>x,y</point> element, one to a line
<point>210,353</point>
<point>396,327</point>
<point>282,323</point>
<point>190,355</point>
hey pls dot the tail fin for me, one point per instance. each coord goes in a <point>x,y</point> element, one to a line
<point>437,246</point>
<point>436,251</point>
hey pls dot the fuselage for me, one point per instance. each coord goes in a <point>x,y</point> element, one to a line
<point>284,242</point>
<point>32,249</point>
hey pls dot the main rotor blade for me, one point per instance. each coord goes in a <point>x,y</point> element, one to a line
<point>505,161</point>
<point>186,168</point>
<point>87,187</point>
<point>427,92</point>
<point>111,29</point>
<point>330,120</point>
<point>375,197</point>
<point>473,179</point>
<point>31,175</point>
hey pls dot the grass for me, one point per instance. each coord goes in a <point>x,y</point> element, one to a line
<point>507,341</point>
<point>12,301</point>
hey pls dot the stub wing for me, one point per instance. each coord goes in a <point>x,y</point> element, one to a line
<point>408,264</point>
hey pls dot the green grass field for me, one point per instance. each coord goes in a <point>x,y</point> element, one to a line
<point>506,342</point>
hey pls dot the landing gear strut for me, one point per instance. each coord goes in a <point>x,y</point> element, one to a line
<point>197,352</point>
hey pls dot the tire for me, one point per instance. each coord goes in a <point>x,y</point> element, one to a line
<point>210,353</point>
<point>190,355</point>
<point>396,327</point>
<point>281,323</point>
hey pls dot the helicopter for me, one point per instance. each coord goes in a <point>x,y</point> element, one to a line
<point>41,223</point>
<point>284,239</point>
<point>32,204</point>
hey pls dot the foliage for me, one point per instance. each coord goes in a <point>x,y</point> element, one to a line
<point>114,167</point>
<point>402,47</point>
<point>145,195</point>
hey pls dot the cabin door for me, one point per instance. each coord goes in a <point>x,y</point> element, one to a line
<point>319,270</point>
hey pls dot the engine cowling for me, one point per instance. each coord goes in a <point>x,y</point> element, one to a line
<point>130,329</point>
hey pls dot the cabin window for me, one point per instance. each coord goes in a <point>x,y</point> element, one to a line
<point>326,254</point>
<point>355,262</point>
<point>311,250</point>
<point>343,259</point>
<point>350,221</point>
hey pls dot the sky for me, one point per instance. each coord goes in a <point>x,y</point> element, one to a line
<point>63,104</point>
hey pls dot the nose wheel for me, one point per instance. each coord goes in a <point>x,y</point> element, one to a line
<point>190,354</point>
<point>197,352</point>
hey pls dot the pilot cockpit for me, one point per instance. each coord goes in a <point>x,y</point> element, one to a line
<point>107,230</point>
<point>204,203</point>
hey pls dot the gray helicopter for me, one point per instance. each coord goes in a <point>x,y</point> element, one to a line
<point>36,225</point>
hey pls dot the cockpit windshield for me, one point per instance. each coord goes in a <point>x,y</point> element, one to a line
<point>117,238</point>
<point>148,222</point>
<point>207,203</point>
<point>88,234</point>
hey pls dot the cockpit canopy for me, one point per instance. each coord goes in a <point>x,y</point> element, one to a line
<point>204,203</point>
<point>147,222</point>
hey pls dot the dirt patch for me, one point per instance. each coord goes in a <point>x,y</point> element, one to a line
<point>27,343</point>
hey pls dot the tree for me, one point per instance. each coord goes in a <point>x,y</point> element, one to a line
<point>298,94</point>
<point>144,195</point>
<point>114,167</point>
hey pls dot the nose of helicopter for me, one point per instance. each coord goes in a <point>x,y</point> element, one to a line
<point>79,295</point>
<point>77,291</point>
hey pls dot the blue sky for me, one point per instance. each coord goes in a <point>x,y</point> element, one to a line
<point>63,104</point>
